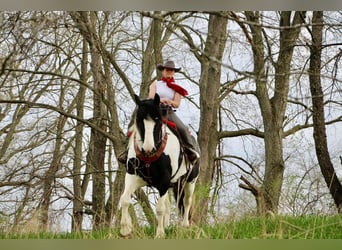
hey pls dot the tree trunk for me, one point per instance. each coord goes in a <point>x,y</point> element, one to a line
<point>319,132</point>
<point>209,89</point>
<point>78,194</point>
<point>151,55</point>
<point>49,177</point>
<point>87,23</point>
<point>273,109</point>
<point>99,143</point>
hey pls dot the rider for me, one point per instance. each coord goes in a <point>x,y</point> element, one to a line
<point>171,94</point>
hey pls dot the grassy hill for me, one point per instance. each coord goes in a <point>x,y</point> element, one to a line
<point>279,227</point>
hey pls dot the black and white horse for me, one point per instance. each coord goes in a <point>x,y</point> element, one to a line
<point>155,158</point>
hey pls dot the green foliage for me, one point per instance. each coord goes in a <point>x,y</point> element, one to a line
<point>278,227</point>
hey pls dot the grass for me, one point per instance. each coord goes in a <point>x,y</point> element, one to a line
<point>279,227</point>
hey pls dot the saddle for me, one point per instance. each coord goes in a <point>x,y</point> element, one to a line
<point>170,124</point>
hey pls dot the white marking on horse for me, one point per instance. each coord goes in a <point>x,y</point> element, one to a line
<point>132,183</point>
<point>148,144</point>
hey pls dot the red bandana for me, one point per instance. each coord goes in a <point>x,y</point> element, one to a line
<point>172,85</point>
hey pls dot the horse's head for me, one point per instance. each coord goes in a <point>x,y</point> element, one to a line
<point>149,122</point>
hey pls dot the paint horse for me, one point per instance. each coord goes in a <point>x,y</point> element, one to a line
<point>156,159</point>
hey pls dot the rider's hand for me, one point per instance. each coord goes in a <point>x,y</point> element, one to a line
<point>167,102</point>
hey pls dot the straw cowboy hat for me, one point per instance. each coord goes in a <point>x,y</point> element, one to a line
<point>168,65</point>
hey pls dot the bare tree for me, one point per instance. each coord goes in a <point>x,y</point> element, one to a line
<point>87,23</point>
<point>319,130</point>
<point>211,61</point>
<point>79,192</point>
<point>34,81</point>
<point>273,108</point>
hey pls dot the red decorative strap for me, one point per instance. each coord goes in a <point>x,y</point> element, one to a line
<point>155,156</point>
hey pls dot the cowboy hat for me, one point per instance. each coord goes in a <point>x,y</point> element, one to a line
<point>168,65</point>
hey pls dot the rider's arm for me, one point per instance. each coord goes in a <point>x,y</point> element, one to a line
<point>176,100</point>
<point>152,90</point>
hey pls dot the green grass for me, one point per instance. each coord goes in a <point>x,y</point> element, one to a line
<point>279,227</point>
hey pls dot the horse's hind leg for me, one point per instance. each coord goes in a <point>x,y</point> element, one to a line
<point>187,200</point>
<point>161,210</point>
<point>132,183</point>
<point>167,211</point>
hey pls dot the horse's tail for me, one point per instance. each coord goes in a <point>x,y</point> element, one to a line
<point>178,192</point>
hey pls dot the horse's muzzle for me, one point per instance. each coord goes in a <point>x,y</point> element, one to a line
<point>148,153</point>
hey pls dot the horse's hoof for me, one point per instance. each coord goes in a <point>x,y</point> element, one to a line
<point>160,235</point>
<point>127,236</point>
<point>185,224</point>
<point>126,233</point>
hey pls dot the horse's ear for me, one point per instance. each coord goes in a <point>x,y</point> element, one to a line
<point>156,99</point>
<point>137,99</point>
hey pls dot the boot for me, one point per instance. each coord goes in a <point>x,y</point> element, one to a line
<point>123,157</point>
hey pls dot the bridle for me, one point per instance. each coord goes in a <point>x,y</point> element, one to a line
<point>148,159</point>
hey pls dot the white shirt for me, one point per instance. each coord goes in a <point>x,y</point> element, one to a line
<point>164,91</point>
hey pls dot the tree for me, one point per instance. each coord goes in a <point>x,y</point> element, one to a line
<point>79,192</point>
<point>319,130</point>
<point>273,108</point>
<point>211,62</point>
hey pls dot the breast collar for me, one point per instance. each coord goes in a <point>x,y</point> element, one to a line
<point>155,156</point>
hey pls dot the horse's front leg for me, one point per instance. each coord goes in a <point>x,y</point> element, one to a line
<point>161,210</point>
<point>132,183</point>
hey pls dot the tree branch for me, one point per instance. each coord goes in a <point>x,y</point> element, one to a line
<point>62,112</point>
<point>248,131</point>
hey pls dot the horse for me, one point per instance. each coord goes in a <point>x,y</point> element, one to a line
<point>156,159</point>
